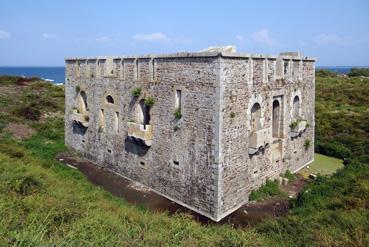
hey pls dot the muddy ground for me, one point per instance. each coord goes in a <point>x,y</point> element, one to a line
<point>134,193</point>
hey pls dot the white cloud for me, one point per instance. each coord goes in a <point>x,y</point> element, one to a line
<point>49,35</point>
<point>158,37</point>
<point>262,36</point>
<point>239,37</point>
<point>103,39</point>
<point>4,34</point>
<point>329,39</point>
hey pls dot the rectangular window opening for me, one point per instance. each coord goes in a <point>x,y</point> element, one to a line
<point>142,163</point>
<point>117,122</point>
<point>175,162</point>
<point>178,102</point>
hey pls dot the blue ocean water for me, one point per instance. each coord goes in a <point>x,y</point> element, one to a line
<point>339,69</point>
<point>54,74</point>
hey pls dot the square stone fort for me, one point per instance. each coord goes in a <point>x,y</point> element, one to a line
<point>203,129</point>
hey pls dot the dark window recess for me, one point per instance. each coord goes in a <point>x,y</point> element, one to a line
<point>83,141</point>
<point>175,162</point>
<point>110,99</point>
<point>109,150</point>
<point>142,163</point>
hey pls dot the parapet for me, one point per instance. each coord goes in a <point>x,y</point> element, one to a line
<point>286,65</point>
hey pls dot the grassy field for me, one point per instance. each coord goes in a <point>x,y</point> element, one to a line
<point>323,165</point>
<point>44,203</point>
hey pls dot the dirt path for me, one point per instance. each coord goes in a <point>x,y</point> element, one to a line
<point>134,193</point>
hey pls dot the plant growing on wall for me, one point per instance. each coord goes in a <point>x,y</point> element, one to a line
<point>87,118</point>
<point>149,102</point>
<point>294,124</point>
<point>136,92</point>
<point>177,113</point>
<point>78,89</point>
<point>307,144</point>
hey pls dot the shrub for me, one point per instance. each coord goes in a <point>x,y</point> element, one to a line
<point>149,102</point>
<point>78,89</point>
<point>30,112</point>
<point>25,184</point>
<point>270,188</point>
<point>333,149</point>
<point>325,73</point>
<point>232,115</point>
<point>359,72</point>
<point>291,177</point>
<point>87,118</point>
<point>136,92</point>
<point>177,113</point>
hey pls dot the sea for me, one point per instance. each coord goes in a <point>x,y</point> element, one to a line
<point>57,74</point>
<point>51,74</point>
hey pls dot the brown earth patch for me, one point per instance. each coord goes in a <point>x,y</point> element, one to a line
<point>19,131</point>
<point>248,215</point>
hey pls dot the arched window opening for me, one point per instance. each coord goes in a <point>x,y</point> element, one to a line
<point>83,101</point>
<point>109,99</point>
<point>145,111</point>
<point>255,117</point>
<point>296,107</point>
<point>276,119</point>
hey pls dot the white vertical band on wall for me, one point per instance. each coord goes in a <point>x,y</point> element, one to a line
<point>265,70</point>
<point>122,73</point>
<point>251,71</point>
<point>136,69</point>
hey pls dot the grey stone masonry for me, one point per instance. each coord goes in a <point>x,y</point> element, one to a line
<point>202,129</point>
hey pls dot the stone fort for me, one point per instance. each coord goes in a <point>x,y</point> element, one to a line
<point>203,129</point>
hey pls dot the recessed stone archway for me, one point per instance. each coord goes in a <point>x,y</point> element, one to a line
<point>276,119</point>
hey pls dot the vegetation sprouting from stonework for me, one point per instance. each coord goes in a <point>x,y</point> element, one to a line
<point>44,203</point>
<point>136,92</point>
<point>307,144</point>
<point>78,89</point>
<point>149,101</point>
<point>177,113</point>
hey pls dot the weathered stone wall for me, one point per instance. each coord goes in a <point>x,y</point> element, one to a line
<point>188,141</point>
<point>242,172</point>
<point>202,160</point>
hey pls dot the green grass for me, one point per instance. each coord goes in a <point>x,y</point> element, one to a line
<point>342,117</point>
<point>269,189</point>
<point>45,203</point>
<point>323,165</point>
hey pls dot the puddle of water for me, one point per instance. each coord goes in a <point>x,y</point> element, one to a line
<point>247,215</point>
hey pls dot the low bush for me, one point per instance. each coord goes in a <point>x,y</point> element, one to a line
<point>270,188</point>
<point>290,176</point>
<point>359,72</point>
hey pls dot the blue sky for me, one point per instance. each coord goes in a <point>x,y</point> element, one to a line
<point>43,33</point>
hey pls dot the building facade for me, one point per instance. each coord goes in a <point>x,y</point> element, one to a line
<point>202,129</point>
